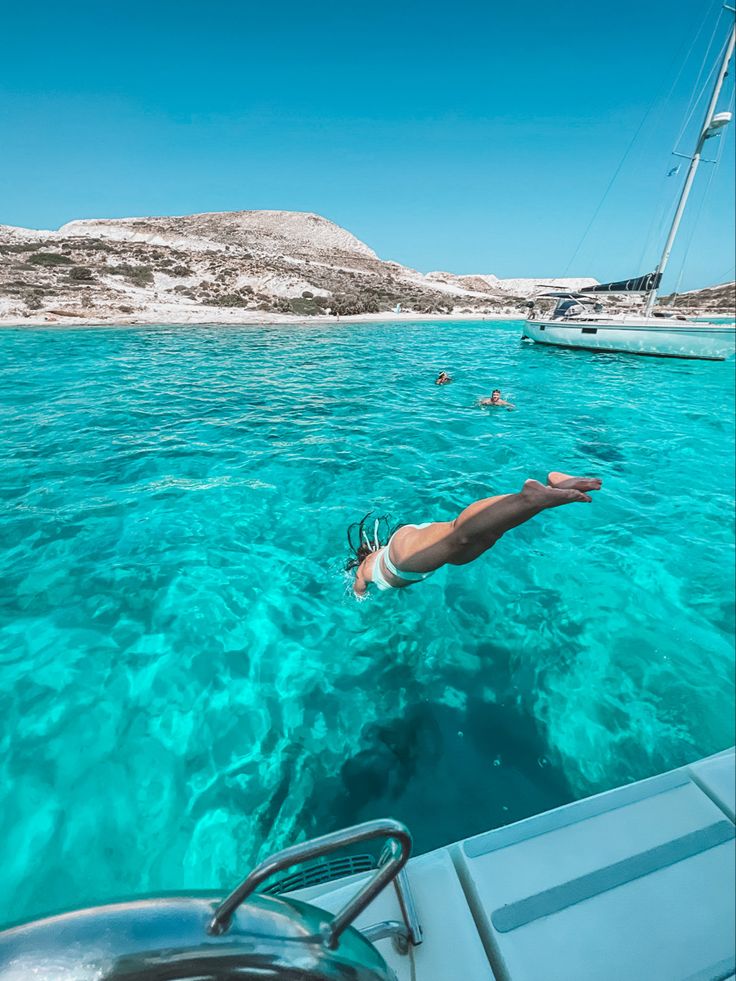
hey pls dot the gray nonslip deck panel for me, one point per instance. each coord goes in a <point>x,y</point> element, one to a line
<point>584,887</point>
<point>716,777</point>
<point>572,814</point>
<point>722,971</point>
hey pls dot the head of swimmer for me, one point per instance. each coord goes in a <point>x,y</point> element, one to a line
<point>366,536</point>
<point>495,395</point>
<point>443,378</point>
<point>362,553</point>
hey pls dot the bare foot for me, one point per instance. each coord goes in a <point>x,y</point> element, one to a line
<point>565,481</point>
<point>541,496</point>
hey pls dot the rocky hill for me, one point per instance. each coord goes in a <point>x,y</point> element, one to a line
<point>712,299</point>
<point>225,267</point>
<point>239,266</point>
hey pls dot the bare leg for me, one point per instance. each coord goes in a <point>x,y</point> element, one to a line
<point>480,525</point>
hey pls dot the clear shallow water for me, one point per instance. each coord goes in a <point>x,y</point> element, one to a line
<point>185,679</point>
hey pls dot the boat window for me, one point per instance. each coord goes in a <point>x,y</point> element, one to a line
<point>568,308</point>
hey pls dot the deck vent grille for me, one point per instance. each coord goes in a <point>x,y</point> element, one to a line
<point>327,871</point>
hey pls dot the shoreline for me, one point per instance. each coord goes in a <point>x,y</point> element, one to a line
<point>164,318</point>
<point>251,318</point>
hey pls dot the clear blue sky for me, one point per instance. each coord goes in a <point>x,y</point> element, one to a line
<point>471,137</point>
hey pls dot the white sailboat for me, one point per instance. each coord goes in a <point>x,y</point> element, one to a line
<point>578,319</point>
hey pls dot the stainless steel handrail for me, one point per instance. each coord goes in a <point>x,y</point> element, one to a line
<point>405,897</point>
<point>387,872</point>
<point>408,909</point>
<point>398,932</point>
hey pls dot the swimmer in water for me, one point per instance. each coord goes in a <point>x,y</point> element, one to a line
<point>443,379</point>
<point>410,553</point>
<point>496,399</point>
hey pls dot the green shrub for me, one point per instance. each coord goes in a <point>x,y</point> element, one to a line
<point>80,274</point>
<point>95,245</point>
<point>137,275</point>
<point>23,247</point>
<point>228,300</point>
<point>304,306</point>
<point>49,259</point>
<point>348,304</point>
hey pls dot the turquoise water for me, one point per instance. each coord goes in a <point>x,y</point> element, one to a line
<point>185,679</point>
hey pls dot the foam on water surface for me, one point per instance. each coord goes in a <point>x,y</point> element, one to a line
<point>186,681</point>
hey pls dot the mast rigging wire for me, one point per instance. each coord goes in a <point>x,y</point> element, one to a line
<point>725,277</point>
<point>660,216</point>
<point>696,95</point>
<point>682,62</point>
<point>608,188</point>
<point>714,168</point>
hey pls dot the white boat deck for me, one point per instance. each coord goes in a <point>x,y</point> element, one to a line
<point>636,884</point>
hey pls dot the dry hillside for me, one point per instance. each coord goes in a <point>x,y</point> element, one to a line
<point>220,266</point>
<point>234,266</point>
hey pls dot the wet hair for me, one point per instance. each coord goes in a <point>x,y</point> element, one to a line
<point>496,391</point>
<point>368,535</point>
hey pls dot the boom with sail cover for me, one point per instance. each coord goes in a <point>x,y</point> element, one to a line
<point>640,284</point>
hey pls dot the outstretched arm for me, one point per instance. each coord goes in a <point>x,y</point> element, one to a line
<point>360,586</point>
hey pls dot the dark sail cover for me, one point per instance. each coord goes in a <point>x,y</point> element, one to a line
<point>641,284</point>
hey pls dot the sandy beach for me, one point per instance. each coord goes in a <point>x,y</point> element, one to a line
<point>235,318</point>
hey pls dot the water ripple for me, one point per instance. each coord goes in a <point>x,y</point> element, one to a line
<point>187,681</point>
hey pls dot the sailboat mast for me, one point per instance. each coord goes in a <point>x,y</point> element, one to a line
<point>692,169</point>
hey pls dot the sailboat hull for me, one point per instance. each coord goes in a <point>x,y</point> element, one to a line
<point>682,339</point>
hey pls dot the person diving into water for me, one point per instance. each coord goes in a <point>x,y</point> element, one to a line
<point>413,552</point>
